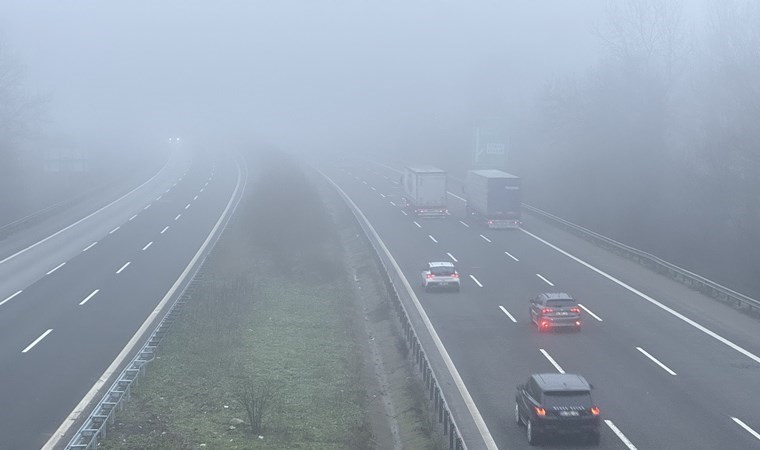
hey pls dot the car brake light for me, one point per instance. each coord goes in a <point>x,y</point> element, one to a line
<point>547,310</point>
<point>575,310</point>
<point>540,411</point>
<point>430,275</point>
<point>455,275</point>
<point>595,410</point>
<point>545,324</point>
<point>578,322</point>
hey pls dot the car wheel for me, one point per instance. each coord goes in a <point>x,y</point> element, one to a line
<point>517,415</point>
<point>531,433</point>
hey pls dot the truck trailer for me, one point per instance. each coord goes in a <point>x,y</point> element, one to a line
<point>425,191</point>
<point>494,197</point>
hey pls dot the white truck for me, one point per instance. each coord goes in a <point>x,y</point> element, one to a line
<point>425,191</point>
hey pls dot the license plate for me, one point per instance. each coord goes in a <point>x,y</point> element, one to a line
<point>563,314</point>
<point>568,413</point>
<point>444,283</point>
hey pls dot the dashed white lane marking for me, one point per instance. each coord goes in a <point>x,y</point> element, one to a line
<point>373,188</point>
<point>432,238</point>
<point>122,267</point>
<point>386,177</point>
<point>476,280</point>
<point>654,302</point>
<point>485,238</point>
<point>87,299</point>
<point>90,246</point>
<point>114,230</point>
<point>56,268</point>
<point>511,256</point>
<point>746,427</point>
<point>164,230</point>
<point>507,313</point>
<point>591,313</point>
<point>393,204</point>
<point>455,196</point>
<point>364,182</point>
<point>147,206</point>
<point>168,190</point>
<point>202,189</point>
<point>133,218</point>
<point>159,197</point>
<point>418,225</point>
<point>36,341</point>
<point>9,298</point>
<point>187,206</point>
<point>195,198</point>
<point>382,195</point>
<point>545,280</point>
<point>452,257</point>
<point>404,212</point>
<point>656,361</point>
<point>464,224</point>
<point>620,435</point>
<point>551,360</point>
<point>148,246</point>
<point>178,216</point>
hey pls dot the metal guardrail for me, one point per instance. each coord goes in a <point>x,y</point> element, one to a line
<point>396,291</point>
<point>683,276</point>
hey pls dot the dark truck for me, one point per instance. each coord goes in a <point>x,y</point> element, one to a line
<point>494,196</point>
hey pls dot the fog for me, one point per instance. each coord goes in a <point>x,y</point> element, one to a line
<point>620,113</point>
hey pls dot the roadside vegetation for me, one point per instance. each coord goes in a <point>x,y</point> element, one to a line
<point>267,353</point>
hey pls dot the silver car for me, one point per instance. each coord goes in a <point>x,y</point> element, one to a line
<point>440,275</point>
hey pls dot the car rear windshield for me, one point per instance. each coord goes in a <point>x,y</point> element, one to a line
<point>567,398</point>
<point>563,303</point>
<point>442,271</point>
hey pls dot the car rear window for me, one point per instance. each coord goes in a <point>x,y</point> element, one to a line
<point>561,303</point>
<point>442,271</point>
<point>567,398</point>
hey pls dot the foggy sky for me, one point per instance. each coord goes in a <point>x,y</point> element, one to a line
<point>291,72</point>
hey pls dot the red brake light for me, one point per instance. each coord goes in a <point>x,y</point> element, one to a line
<point>575,310</point>
<point>545,324</point>
<point>547,310</point>
<point>455,275</point>
<point>595,410</point>
<point>540,411</point>
<point>578,322</point>
<point>430,275</point>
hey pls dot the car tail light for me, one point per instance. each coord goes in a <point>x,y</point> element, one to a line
<point>595,410</point>
<point>578,322</point>
<point>546,310</point>
<point>430,275</point>
<point>540,411</point>
<point>455,275</point>
<point>490,222</point>
<point>575,310</point>
<point>545,324</point>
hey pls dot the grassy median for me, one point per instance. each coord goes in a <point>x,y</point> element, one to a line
<point>264,354</point>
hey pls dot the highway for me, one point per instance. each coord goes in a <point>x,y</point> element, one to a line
<point>75,289</point>
<point>670,367</point>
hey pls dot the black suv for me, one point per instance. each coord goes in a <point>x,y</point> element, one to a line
<point>557,404</point>
<point>555,310</point>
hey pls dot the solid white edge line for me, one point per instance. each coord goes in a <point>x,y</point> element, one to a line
<point>81,407</point>
<point>476,280</point>
<point>123,267</point>
<point>452,257</point>
<point>463,223</point>
<point>10,297</point>
<point>56,268</point>
<point>511,256</point>
<point>668,309</point>
<point>164,230</point>
<point>485,238</point>
<point>90,246</point>
<point>455,196</point>
<point>418,225</point>
<point>620,435</point>
<point>508,314</point>
<point>24,250</point>
<point>432,238</point>
<point>545,280</point>
<point>591,313</point>
<point>551,360</point>
<point>746,427</point>
<point>148,246</point>
<point>114,230</point>
<point>87,299</point>
<point>468,401</point>
<point>36,341</point>
<point>656,361</point>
